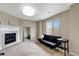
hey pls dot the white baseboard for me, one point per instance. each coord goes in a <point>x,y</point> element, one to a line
<point>73,54</point>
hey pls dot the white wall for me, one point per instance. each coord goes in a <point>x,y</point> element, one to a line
<point>74,29</point>
<point>7,19</point>
<point>32,26</point>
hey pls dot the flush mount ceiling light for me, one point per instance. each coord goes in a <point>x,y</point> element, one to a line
<point>28,11</point>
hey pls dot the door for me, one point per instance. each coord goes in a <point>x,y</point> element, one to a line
<point>26,33</point>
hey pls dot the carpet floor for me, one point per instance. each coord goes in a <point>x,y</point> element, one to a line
<point>30,48</point>
<point>52,52</point>
<point>25,49</point>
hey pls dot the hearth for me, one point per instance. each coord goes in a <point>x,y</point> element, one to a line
<point>10,37</point>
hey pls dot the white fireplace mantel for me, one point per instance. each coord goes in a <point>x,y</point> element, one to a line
<point>8,29</point>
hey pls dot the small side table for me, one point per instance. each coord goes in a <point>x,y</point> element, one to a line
<point>65,46</point>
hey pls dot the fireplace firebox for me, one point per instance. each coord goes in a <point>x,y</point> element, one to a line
<point>10,37</point>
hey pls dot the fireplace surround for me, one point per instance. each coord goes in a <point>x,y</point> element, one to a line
<point>10,37</point>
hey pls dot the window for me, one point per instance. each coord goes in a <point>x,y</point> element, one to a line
<point>49,27</point>
<point>53,26</point>
<point>56,25</point>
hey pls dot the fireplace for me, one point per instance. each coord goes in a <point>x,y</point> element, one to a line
<point>10,37</point>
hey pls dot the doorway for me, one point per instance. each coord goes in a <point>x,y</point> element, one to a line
<point>26,33</point>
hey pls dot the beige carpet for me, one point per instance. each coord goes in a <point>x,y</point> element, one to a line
<point>25,49</point>
<point>30,48</point>
<point>52,52</point>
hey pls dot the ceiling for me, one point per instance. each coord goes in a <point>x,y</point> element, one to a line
<point>43,10</point>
